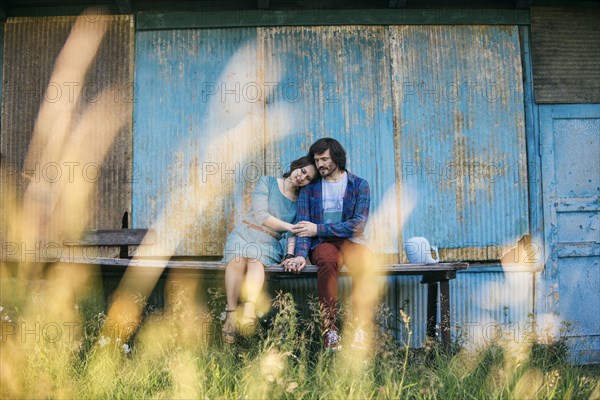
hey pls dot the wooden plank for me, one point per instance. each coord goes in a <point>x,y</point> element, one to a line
<point>246,18</point>
<point>115,237</point>
<point>399,269</point>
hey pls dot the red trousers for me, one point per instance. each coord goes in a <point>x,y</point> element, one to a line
<point>329,257</point>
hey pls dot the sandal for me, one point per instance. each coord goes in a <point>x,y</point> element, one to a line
<point>229,334</point>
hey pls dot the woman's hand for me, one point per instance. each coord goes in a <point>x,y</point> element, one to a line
<point>295,264</point>
<point>290,228</point>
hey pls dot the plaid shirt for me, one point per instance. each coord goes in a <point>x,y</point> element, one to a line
<point>354,214</point>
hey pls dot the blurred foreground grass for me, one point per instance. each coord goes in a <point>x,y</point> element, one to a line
<point>177,353</point>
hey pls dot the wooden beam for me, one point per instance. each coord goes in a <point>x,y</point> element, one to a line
<point>440,270</point>
<point>397,4</point>
<point>251,18</point>
<point>124,6</point>
<point>523,3</point>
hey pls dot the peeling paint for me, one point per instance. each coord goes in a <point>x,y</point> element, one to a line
<point>461,136</point>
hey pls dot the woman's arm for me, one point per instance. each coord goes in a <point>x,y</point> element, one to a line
<point>277,224</point>
<point>260,203</point>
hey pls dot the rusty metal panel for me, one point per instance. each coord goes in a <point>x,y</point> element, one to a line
<point>334,81</point>
<point>460,137</point>
<point>566,50</point>
<point>199,142</point>
<point>31,48</point>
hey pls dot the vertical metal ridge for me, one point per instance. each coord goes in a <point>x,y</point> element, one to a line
<point>190,97</point>
<point>32,45</point>
<point>461,114</point>
<point>343,74</point>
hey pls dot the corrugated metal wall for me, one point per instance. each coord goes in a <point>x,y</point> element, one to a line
<point>31,46</point>
<point>461,137</point>
<point>198,122</point>
<point>342,81</point>
<point>566,52</point>
<point>451,141</point>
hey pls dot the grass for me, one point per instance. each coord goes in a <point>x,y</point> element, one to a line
<point>177,353</point>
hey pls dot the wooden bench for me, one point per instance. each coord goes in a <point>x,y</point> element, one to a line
<point>435,276</point>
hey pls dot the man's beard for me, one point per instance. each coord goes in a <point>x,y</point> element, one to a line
<point>327,172</point>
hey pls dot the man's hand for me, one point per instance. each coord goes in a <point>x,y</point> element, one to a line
<point>295,264</point>
<point>288,265</point>
<point>305,229</point>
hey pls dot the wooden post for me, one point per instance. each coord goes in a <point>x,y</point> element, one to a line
<point>445,312</point>
<point>432,306</point>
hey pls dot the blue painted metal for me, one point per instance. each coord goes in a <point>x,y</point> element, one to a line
<point>463,142</point>
<point>488,304</point>
<point>571,161</point>
<point>461,136</point>
<point>315,82</point>
<point>534,160</point>
<point>191,102</point>
<point>484,303</point>
<point>335,82</point>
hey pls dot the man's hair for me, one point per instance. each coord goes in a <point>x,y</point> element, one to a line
<point>298,163</point>
<point>337,152</point>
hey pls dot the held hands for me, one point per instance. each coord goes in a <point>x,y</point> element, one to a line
<point>305,229</point>
<point>295,264</point>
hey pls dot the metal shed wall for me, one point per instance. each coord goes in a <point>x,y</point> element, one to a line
<point>461,137</point>
<point>198,126</point>
<point>31,46</point>
<point>343,80</point>
<point>288,86</point>
<point>288,83</point>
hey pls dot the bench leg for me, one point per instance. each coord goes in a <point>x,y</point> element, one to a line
<point>432,305</point>
<point>445,313</point>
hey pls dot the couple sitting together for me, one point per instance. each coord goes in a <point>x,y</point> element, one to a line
<point>317,210</point>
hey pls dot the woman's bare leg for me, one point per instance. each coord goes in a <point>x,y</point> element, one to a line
<point>234,277</point>
<point>255,279</point>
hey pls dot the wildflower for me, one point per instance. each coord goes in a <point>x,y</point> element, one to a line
<point>6,317</point>
<point>1,308</point>
<point>291,387</point>
<point>103,341</point>
<point>76,306</point>
<point>223,316</point>
<point>260,315</point>
<point>126,348</point>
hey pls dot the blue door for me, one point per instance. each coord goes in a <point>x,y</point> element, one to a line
<point>571,186</point>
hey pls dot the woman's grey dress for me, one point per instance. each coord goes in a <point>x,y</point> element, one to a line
<point>243,241</point>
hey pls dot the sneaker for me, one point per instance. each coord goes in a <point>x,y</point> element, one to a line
<point>332,341</point>
<point>360,339</point>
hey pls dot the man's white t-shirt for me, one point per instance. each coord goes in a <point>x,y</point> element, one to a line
<point>333,199</point>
